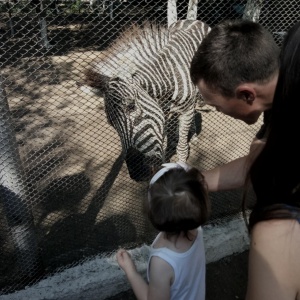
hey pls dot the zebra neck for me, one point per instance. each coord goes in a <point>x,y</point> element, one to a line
<point>154,84</point>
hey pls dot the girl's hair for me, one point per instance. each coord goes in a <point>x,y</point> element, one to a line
<point>178,201</point>
<point>275,174</point>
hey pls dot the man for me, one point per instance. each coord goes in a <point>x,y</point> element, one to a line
<point>236,71</point>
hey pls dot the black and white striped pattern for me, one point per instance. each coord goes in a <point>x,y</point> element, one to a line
<point>148,81</point>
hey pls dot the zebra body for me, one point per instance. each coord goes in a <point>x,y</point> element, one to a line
<point>142,94</point>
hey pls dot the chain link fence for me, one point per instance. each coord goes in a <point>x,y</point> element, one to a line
<point>66,193</point>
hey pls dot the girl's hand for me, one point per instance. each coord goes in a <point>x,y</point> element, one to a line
<point>125,262</point>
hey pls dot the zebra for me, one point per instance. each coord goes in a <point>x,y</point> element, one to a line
<point>145,79</point>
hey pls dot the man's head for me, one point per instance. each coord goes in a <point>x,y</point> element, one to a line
<point>237,60</point>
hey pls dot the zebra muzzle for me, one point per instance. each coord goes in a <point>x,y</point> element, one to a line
<point>140,166</point>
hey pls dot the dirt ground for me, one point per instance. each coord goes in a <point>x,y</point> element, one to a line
<point>226,279</point>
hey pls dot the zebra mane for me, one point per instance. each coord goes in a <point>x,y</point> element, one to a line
<point>135,46</point>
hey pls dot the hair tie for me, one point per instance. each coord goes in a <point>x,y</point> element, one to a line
<point>168,167</point>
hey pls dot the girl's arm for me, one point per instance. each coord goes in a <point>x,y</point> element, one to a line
<point>160,277</point>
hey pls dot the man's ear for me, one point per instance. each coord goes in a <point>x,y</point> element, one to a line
<point>246,93</point>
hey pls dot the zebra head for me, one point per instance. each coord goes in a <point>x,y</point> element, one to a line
<point>140,123</point>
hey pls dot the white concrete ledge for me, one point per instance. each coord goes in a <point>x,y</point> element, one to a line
<point>225,239</point>
<point>101,277</point>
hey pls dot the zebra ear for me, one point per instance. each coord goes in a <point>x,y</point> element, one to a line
<point>96,80</point>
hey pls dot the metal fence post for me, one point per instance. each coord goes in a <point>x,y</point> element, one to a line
<point>111,9</point>
<point>13,196</point>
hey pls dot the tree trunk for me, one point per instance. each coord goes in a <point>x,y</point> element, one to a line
<point>41,15</point>
<point>11,24</point>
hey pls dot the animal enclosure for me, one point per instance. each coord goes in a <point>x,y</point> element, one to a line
<point>67,193</point>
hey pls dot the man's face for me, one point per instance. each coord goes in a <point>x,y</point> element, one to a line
<point>234,107</point>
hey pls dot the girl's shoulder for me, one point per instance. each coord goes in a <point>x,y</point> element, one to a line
<point>178,244</point>
<point>160,241</point>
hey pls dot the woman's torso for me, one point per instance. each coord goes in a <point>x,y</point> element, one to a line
<point>274,264</point>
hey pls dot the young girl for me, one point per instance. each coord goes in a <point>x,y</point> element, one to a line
<point>177,206</point>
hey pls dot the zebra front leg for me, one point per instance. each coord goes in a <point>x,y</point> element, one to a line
<point>192,10</point>
<point>172,12</point>
<point>182,149</point>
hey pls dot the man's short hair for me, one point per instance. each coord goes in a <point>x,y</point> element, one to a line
<point>235,52</point>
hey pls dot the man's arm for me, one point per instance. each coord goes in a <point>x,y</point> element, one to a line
<point>226,177</point>
<point>233,174</point>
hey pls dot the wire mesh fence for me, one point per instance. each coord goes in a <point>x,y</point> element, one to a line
<point>67,192</point>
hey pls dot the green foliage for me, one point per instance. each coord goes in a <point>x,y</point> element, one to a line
<point>76,6</point>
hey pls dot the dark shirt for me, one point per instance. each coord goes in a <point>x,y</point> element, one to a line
<point>262,133</point>
<point>277,198</point>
